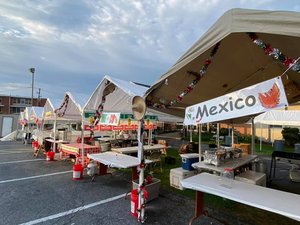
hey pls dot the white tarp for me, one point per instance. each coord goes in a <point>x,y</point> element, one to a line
<point>120,98</point>
<point>36,114</point>
<point>255,99</point>
<point>279,117</point>
<point>48,112</point>
<point>69,108</point>
<point>238,62</point>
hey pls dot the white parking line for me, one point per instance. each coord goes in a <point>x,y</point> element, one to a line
<point>21,161</point>
<point>13,152</point>
<point>44,219</point>
<point>33,177</point>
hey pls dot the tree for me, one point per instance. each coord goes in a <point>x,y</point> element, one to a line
<point>290,135</point>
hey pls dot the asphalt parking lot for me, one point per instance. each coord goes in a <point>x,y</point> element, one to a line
<point>35,191</point>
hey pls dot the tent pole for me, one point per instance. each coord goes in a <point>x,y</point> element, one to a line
<point>199,142</point>
<point>260,145</point>
<point>218,135</point>
<point>82,140</point>
<point>191,133</point>
<point>253,136</point>
<point>141,209</point>
<point>232,135</point>
<point>54,134</point>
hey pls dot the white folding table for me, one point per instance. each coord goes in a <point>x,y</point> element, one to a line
<point>134,149</point>
<point>117,160</point>
<point>280,202</point>
<point>230,163</point>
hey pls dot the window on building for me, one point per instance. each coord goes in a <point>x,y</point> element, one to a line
<point>14,101</point>
<point>28,101</point>
<point>22,100</point>
<point>15,110</point>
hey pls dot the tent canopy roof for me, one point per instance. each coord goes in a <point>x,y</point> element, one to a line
<point>237,63</point>
<point>119,98</point>
<point>69,108</point>
<point>279,117</point>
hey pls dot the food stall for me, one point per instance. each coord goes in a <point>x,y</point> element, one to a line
<point>214,67</point>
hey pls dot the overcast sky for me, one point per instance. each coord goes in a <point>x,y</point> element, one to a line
<point>74,43</point>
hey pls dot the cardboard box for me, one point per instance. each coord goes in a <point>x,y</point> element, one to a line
<point>246,148</point>
<point>178,174</point>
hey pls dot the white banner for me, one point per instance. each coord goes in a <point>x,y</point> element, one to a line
<point>258,98</point>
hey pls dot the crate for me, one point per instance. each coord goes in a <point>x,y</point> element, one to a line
<point>178,174</point>
<point>252,177</point>
<point>246,148</point>
<point>152,189</point>
<point>188,159</point>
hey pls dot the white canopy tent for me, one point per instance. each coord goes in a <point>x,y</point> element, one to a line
<point>120,97</point>
<point>243,47</point>
<point>36,114</point>
<point>279,117</point>
<point>69,109</point>
<point>49,108</point>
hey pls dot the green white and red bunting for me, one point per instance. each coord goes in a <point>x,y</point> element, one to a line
<point>262,97</point>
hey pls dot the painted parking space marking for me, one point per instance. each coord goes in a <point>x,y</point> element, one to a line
<point>55,216</point>
<point>13,152</point>
<point>34,177</point>
<point>21,161</point>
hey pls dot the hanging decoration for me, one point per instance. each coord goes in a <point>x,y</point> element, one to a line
<point>275,53</point>
<point>191,86</point>
<point>64,104</point>
<point>94,121</point>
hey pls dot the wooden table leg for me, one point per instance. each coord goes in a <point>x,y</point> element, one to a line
<point>134,173</point>
<point>102,169</point>
<point>199,204</point>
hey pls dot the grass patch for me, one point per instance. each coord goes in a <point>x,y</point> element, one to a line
<point>267,149</point>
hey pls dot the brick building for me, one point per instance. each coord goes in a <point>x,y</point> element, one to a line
<point>16,104</point>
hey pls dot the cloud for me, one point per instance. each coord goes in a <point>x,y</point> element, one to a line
<point>73,44</point>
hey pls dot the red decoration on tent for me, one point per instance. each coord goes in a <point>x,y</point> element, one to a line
<point>65,104</point>
<point>192,85</point>
<point>275,53</point>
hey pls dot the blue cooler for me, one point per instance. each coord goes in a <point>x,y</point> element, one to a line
<point>188,159</point>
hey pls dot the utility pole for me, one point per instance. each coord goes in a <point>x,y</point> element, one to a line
<point>32,70</point>
<point>39,96</point>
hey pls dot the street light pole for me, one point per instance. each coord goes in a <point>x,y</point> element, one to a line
<point>32,70</point>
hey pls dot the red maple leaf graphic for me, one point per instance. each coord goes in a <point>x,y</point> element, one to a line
<point>271,98</point>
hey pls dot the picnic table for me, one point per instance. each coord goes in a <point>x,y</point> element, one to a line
<point>76,150</point>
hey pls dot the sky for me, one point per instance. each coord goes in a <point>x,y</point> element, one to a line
<point>72,44</point>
